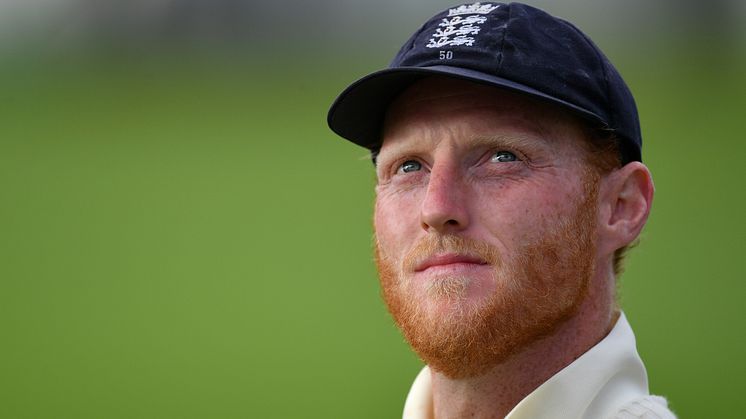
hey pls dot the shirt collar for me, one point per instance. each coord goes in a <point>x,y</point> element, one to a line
<point>600,380</point>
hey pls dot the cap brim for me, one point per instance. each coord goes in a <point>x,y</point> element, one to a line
<point>357,113</point>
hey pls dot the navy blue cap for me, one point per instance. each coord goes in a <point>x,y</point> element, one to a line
<point>511,46</point>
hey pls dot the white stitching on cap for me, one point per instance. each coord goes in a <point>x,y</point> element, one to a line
<point>457,30</point>
<point>471,9</point>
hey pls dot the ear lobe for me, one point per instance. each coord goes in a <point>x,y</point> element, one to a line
<point>629,196</point>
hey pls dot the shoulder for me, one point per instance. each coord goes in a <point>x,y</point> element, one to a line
<point>646,407</point>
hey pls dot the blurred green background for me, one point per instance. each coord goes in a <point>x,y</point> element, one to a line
<point>183,237</point>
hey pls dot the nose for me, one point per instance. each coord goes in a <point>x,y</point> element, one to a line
<point>444,207</point>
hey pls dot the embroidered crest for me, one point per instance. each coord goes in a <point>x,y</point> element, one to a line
<point>459,30</point>
<point>472,9</point>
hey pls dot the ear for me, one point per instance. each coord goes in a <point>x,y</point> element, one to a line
<point>626,196</point>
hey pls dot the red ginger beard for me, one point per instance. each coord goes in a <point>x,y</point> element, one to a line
<point>535,293</point>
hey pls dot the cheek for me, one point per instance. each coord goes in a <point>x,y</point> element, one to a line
<point>396,223</point>
<point>522,215</point>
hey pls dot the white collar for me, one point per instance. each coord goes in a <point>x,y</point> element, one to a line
<point>593,386</point>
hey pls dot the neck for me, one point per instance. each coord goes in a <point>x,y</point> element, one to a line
<point>496,392</point>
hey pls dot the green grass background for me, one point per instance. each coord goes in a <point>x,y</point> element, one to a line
<point>181,236</point>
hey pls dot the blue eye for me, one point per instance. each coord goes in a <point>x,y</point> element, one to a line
<point>504,157</point>
<point>410,166</point>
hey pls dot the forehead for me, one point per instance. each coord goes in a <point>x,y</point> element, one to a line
<point>467,108</point>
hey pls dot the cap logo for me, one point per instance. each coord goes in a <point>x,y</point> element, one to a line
<point>473,9</point>
<point>458,30</point>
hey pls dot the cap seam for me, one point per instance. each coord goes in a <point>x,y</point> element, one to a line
<point>500,49</point>
<point>600,59</point>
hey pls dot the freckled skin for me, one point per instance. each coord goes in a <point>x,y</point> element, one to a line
<point>507,204</point>
<point>453,129</point>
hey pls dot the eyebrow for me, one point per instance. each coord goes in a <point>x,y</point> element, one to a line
<point>521,140</point>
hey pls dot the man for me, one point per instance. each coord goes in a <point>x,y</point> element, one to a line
<point>510,183</point>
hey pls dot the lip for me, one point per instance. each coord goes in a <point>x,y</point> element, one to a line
<point>444,260</point>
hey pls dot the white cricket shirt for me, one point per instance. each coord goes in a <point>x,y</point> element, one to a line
<point>608,381</point>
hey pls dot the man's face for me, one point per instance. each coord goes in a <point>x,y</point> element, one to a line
<point>485,222</point>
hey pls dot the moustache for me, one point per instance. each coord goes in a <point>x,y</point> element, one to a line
<point>433,245</point>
